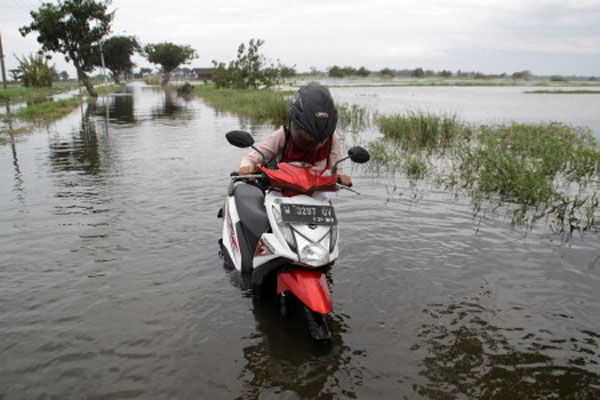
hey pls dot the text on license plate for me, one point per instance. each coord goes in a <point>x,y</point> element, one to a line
<point>307,214</point>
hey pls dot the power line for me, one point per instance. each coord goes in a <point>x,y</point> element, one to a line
<point>28,4</point>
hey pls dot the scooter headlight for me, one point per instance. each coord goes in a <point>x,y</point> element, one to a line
<point>314,255</point>
<point>285,228</point>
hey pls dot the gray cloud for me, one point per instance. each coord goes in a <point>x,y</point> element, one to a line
<point>465,34</point>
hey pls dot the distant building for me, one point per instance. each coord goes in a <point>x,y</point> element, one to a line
<point>205,74</point>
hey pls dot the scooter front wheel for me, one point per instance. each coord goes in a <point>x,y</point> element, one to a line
<point>317,324</point>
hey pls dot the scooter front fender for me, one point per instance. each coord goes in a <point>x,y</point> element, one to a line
<point>310,287</point>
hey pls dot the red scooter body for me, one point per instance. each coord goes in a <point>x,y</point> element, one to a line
<point>310,287</point>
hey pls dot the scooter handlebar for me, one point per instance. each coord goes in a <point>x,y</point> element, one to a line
<point>237,177</point>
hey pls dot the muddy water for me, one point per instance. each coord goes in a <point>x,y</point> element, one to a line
<point>111,286</point>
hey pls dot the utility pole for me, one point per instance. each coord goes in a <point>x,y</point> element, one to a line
<point>102,60</point>
<point>2,59</point>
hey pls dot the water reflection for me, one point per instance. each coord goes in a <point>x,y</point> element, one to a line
<point>283,361</point>
<point>81,152</point>
<point>171,108</point>
<point>467,355</point>
<point>118,108</point>
<point>19,184</point>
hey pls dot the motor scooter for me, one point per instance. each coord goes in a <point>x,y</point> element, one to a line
<point>281,230</point>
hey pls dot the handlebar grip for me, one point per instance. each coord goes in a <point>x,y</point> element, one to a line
<point>339,181</point>
<point>234,173</point>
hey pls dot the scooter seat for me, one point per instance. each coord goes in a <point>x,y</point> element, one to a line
<point>250,203</point>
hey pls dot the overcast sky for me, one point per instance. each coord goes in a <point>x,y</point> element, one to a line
<point>543,36</point>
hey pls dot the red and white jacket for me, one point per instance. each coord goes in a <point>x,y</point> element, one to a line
<point>323,157</point>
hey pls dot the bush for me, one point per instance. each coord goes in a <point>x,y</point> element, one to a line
<point>35,71</point>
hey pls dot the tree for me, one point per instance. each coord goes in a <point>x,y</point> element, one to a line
<point>288,72</point>
<point>525,75</point>
<point>446,74</point>
<point>117,55</point>
<point>73,28</point>
<point>169,56</point>
<point>386,72</point>
<point>315,71</point>
<point>363,72</point>
<point>250,69</point>
<point>418,73</point>
<point>336,72</point>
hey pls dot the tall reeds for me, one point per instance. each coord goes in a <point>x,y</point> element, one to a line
<point>420,131</point>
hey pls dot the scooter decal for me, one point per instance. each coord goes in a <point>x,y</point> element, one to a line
<point>232,231</point>
<point>263,248</point>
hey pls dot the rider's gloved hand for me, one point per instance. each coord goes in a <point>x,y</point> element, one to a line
<point>345,180</point>
<point>246,170</point>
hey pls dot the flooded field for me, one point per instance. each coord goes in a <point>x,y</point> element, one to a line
<point>487,105</point>
<point>111,286</point>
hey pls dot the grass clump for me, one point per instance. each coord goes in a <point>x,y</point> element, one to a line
<point>536,166</point>
<point>560,91</point>
<point>260,105</point>
<point>415,166</point>
<point>19,94</point>
<point>5,134</point>
<point>47,110</point>
<point>384,155</point>
<point>352,116</point>
<point>417,131</point>
<point>533,170</point>
<point>50,110</point>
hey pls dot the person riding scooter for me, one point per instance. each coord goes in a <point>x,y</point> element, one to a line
<point>308,136</point>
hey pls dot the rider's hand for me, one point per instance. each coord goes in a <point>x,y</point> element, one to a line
<point>345,180</point>
<point>246,170</point>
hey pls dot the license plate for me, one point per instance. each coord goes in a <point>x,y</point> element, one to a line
<point>306,214</point>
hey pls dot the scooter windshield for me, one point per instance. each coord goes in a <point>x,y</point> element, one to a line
<point>304,179</point>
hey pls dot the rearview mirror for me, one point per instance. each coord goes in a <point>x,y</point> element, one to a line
<point>359,155</point>
<point>240,139</point>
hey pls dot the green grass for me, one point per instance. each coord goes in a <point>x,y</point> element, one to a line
<point>541,168</point>
<point>535,170</point>
<point>259,105</point>
<point>415,166</point>
<point>559,91</point>
<point>352,116</point>
<point>384,155</point>
<point>154,79</point>
<point>419,83</point>
<point>6,133</point>
<point>21,94</point>
<point>46,111</point>
<point>417,131</point>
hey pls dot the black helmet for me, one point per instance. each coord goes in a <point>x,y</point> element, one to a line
<point>312,109</point>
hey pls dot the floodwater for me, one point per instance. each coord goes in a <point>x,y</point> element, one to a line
<point>111,286</point>
<point>482,105</point>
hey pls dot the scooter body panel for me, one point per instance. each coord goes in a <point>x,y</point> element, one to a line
<point>310,287</point>
<point>231,242</point>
